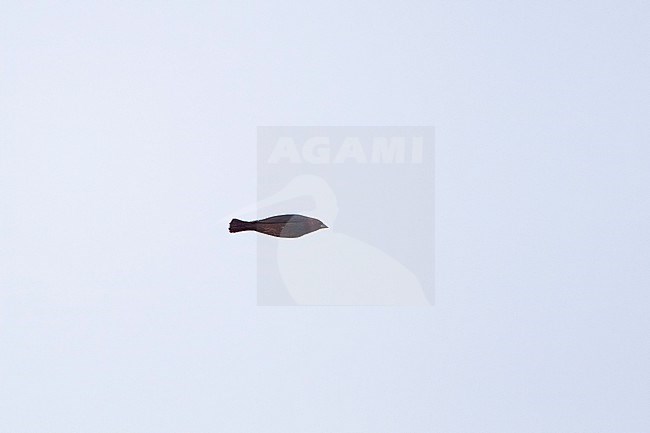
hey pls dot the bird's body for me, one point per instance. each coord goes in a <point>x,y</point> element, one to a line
<point>282,226</point>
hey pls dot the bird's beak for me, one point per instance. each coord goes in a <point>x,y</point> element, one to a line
<point>323,226</point>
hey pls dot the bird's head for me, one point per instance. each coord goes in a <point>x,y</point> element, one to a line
<point>317,224</point>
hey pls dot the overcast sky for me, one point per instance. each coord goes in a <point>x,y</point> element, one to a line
<point>128,129</point>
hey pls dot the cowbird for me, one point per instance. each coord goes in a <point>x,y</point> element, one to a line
<point>282,226</point>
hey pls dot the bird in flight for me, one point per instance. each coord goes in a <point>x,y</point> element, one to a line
<point>281,226</point>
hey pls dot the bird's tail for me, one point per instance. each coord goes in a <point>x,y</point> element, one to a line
<point>239,226</point>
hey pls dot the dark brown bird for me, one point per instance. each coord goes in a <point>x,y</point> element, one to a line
<point>282,226</point>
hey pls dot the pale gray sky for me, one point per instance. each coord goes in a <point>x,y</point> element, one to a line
<point>127,129</point>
